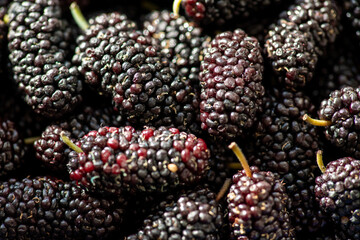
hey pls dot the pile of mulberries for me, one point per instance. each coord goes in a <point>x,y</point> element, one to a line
<point>116,119</point>
<point>287,147</point>
<point>46,208</point>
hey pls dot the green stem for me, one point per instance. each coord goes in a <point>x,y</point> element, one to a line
<point>78,16</point>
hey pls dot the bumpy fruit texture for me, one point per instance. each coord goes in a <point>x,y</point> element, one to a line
<point>182,42</point>
<point>45,208</point>
<point>53,152</point>
<point>127,65</point>
<point>292,52</point>
<point>193,214</point>
<point>287,147</point>
<point>38,43</point>
<point>11,148</point>
<point>338,193</point>
<point>121,159</point>
<point>320,17</point>
<point>91,44</point>
<point>297,39</point>
<point>231,84</point>
<point>222,12</point>
<point>342,108</point>
<point>257,207</point>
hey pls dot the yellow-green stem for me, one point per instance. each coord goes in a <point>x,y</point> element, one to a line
<point>78,16</point>
<point>176,7</point>
<point>31,140</point>
<point>240,155</point>
<point>320,162</point>
<point>316,122</point>
<point>68,142</point>
<point>6,19</point>
<point>234,165</point>
<point>223,189</point>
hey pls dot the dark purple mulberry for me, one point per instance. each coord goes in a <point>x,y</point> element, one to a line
<point>194,214</point>
<point>337,191</point>
<point>292,52</point>
<point>38,43</point>
<point>231,84</point>
<point>44,208</point>
<point>127,65</point>
<point>11,148</point>
<point>257,207</point>
<point>299,37</point>
<point>182,42</point>
<point>221,12</point>
<point>287,147</point>
<point>342,110</point>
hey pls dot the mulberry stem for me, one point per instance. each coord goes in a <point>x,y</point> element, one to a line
<point>31,140</point>
<point>176,7</point>
<point>316,122</point>
<point>223,189</point>
<point>234,165</point>
<point>240,155</point>
<point>319,161</point>
<point>6,19</point>
<point>68,142</point>
<point>78,16</point>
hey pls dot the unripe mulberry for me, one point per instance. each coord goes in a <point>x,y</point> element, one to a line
<point>121,159</point>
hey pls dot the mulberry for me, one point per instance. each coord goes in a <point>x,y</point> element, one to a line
<point>231,84</point>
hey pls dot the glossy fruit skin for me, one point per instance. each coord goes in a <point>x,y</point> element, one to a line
<point>183,43</point>
<point>231,84</point>
<point>12,148</point>
<point>122,62</point>
<point>342,108</point>
<point>39,42</point>
<point>193,214</point>
<point>299,37</point>
<point>337,191</point>
<point>293,53</point>
<point>46,208</point>
<point>258,205</point>
<point>117,160</point>
<point>50,148</point>
<point>287,146</point>
<point>222,12</point>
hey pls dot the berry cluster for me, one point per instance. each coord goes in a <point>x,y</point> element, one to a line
<point>197,120</point>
